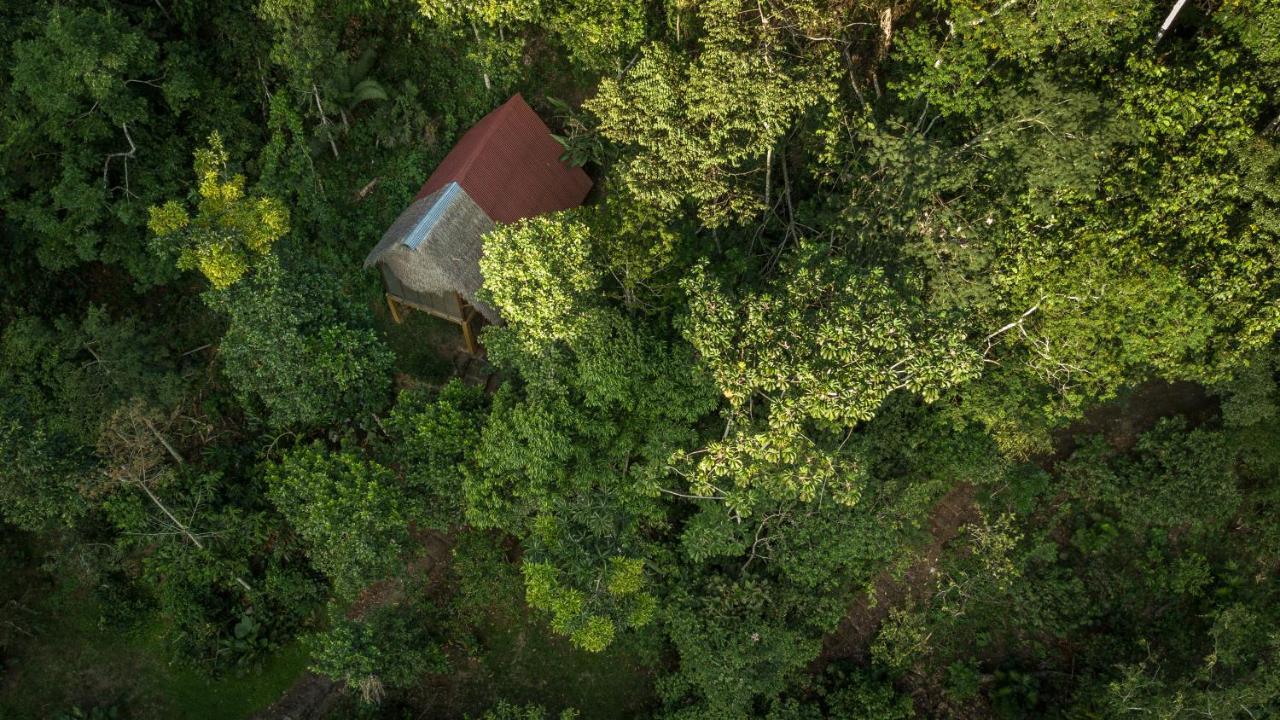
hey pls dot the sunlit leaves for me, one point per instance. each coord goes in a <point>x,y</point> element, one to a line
<point>349,511</point>
<point>539,273</point>
<point>229,233</point>
<point>817,353</point>
<point>591,619</point>
<point>572,456</point>
<point>699,129</point>
<point>596,33</point>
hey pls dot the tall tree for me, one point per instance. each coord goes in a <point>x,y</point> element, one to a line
<point>573,457</point>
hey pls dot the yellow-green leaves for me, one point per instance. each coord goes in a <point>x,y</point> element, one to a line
<point>625,575</point>
<point>168,219</point>
<point>701,129</point>
<point>596,33</point>
<point>811,357</point>
<point>538,273</point>
<point>488,12</point>
<point>229,232</point>
<point>569,458</point>
<point>591,620</point>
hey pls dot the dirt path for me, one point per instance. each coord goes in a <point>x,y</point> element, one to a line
<point>851,640</point>
<point>1124,419</point>
<point>1121,422</point>
<point>311,697</point>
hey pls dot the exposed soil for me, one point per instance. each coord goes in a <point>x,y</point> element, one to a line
<point>426,569</point>
<point>310,698</point>
<point>1120,422</point>
<point>1124,419</point>
<point>851,640</point>
<point>313,697</point>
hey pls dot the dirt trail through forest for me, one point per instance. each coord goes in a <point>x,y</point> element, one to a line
<point>313,697</point>
<point>1120,422</point>
<point>852,638</point>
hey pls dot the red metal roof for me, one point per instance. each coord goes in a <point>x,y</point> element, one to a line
<point>510,166</point>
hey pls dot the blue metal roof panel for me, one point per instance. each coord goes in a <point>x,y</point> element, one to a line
<point>413,239</point>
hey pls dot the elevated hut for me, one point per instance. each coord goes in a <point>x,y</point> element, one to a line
<point>505,168</point>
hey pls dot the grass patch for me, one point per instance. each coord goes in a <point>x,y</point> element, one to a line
<point>74,661</point>
<point>530,664</point>
<point>421,343</point>
<point>522,661</point>
<point>197,697</point>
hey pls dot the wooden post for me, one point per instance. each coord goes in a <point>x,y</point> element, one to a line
<point>391,305</point>
<point>468,337</point>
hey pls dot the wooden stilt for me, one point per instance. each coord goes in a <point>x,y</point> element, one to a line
<point>469,338</point>
<point>391,305</point>
<point>469,335</point>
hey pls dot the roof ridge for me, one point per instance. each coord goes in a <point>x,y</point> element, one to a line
<point>418,233</point>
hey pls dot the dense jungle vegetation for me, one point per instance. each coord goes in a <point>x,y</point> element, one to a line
<point>910,359</point>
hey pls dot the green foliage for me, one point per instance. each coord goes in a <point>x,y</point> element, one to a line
<point>354,85</point>
<point>540,273</point>
<point>828,346</point>
<point>1237,677</point>
<point>1141,539</point>
<point>77,95</point>
<point>570,460</point>
<point>350,512</point>
<point>38,486</point>
<point>856,694</point>
<point>433,435</point>
<point>488,584</point>
<point>597,35</point>
<point>700,127</point>
<point>821,353</point>
<point>586,619</point>
<point>388,647</point>
<point>737,641</point>
<point>1257,24</point>
<point>1250,403</point>
<point>1153,237</point>
<point>59,383</point>
<point>506,711</point>
<point>786,418</point>
<point>296,351</point>
<point>600,34</point>
<point>229,233</point>
<point>960,63</point>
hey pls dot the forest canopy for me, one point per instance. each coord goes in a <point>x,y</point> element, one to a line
<point>908,359</point>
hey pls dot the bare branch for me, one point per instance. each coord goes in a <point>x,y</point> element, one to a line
<point>1168,21</point>
<point>126,156</point>
<point>692,497</point>
<point>324,119</point>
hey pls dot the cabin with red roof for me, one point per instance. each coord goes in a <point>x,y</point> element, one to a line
<point>505,168</point>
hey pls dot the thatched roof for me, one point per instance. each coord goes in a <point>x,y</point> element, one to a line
<point>435,245</point>
<point>505,168</point>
